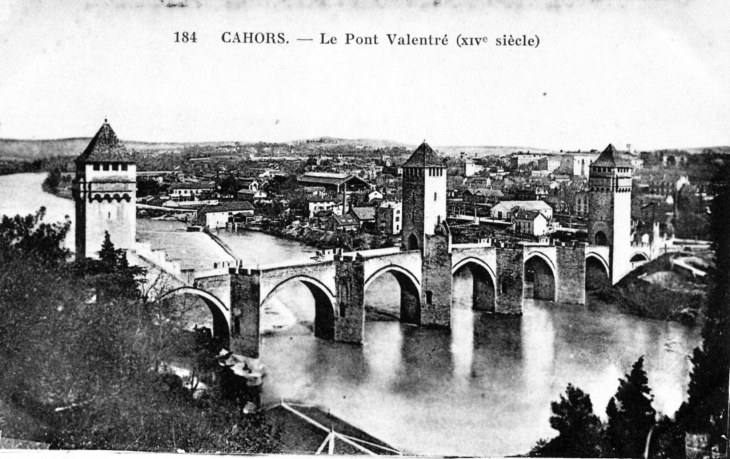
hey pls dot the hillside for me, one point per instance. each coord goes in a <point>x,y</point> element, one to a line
<point>25,149</point>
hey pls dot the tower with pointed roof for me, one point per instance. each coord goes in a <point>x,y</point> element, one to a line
<point>105,190</point>
<point>609,209</point>
<point>424,196</point>
<point>425,229</point>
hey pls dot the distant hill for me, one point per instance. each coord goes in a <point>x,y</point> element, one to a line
<point>334,141</point>
<point>487,150</point>
<point>23,149</point>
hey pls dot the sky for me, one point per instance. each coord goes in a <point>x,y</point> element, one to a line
<point>653,74</point>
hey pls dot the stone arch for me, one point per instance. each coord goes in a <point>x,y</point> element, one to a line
<point>324,304</point>
<point>540,277</point>
<point>221,313</point>
<point>412,242</point>
<point>410,295</point>
<point>598,274</point>
<point>639,256</point>
<point>484,295</point>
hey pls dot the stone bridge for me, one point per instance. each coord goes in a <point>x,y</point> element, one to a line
<point>503,276</point>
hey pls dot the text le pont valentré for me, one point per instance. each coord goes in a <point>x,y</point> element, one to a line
<point>459,40</point>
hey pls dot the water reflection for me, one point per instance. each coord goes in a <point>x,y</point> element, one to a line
<point>485,387</point>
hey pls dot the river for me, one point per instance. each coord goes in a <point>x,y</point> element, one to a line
<point>483,389</point>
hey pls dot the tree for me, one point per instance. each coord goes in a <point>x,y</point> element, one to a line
<point>579,429</point>
<point>28,237</point>
<point>705,411</point>
<point>630,414</point>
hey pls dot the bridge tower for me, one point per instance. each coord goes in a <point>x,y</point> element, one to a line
<point>105,191</point>
<point>424,196</point>
<point>609,209</point>
<point>425,229</point>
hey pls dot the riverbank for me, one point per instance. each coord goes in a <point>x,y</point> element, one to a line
<point>656,291</point>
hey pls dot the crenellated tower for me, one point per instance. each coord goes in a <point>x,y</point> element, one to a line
<point>105,191</point>
<point>609,209</point>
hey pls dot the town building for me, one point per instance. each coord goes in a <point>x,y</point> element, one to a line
<point>505,210</point>
<point>333,181</point>
<point>318,204</point>
<point>388,217</point>
<point>531,222</point>
<point>520,159</point>
<point>245,194</point>
<point>342,223</point>
<point>191,191</point>
<point>365,216</point>
<point>577,163</point>
<point>218,216</point>
<point>549,163</point>
<point>581,203</point>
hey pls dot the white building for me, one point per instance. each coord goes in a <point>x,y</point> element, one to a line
<point>505,210</point>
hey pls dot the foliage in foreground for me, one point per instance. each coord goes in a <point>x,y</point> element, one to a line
<point>82,356</point>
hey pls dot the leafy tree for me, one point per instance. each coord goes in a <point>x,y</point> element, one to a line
<point>579,429</point>
<point>667,440</point>
<point>706,408</point>
<point>28,237</point>
<point>53,180</point>
<point>630,414</point>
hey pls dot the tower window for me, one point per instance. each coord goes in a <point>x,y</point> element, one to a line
<point>115,167</point>
<point>429,297</point>
<point>124,167</point>
<point>435,195</point>
<point>96,167</point>
<point>106,167</point>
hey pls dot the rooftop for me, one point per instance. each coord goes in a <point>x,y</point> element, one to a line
<point>612,158</point>
<point>228,207</point>
<point>193,186</point>
<point>424,156</point>
<point>105,147</point>
<point>363,213</point>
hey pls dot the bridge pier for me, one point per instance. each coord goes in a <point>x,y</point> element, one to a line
<point>571,280</point>
<point>350,286</point>
<point>436,279</point>
<point>245,313</point>
<point>510,262</point>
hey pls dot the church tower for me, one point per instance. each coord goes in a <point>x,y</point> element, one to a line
<point>609,209</point>
<point>105,190</point>
<point>424,196</point>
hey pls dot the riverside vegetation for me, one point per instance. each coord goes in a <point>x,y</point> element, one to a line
<point>83,354</point>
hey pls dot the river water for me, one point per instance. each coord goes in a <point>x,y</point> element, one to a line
<point>483,389</point>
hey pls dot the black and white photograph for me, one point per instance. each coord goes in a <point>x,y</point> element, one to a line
<point>358,227</point>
